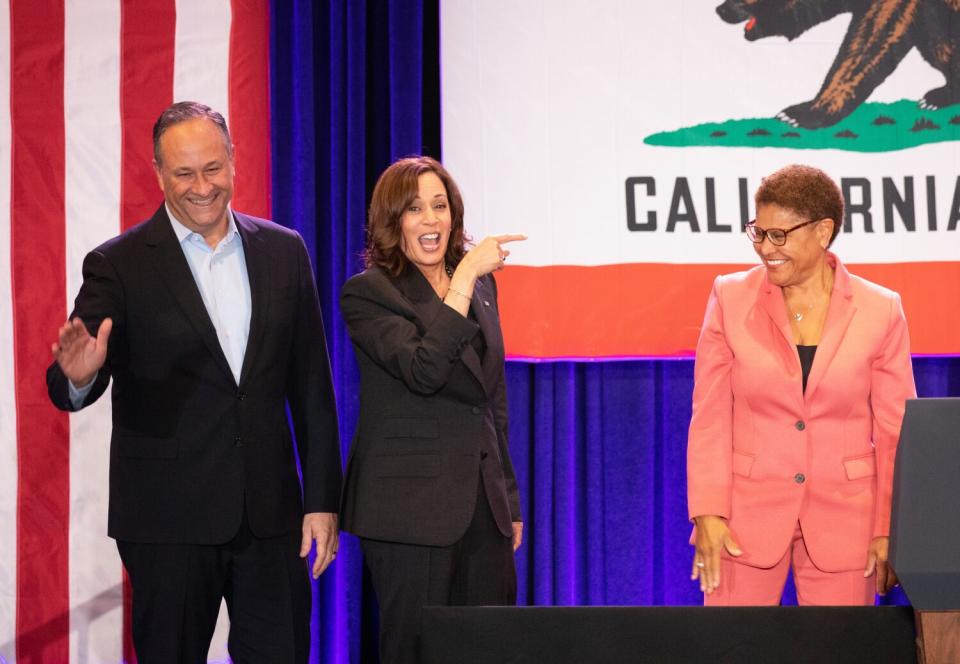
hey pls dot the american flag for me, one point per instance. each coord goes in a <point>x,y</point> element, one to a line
<point>81,83</point>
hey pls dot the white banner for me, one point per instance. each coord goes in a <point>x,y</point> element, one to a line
<point>549,109</point>
<point>627,139</point>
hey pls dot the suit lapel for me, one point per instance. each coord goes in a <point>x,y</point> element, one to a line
<point>839,315</point>
<point>483,308</point>
<point>171,264</point>
<point>427,305</point>
<point>771,301</point>
<point>259,271</point>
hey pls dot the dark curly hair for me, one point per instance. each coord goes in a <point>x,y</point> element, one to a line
<point>393,193</point>
<point>806,190</point>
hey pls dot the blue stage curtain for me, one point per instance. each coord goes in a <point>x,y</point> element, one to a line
<point>599,447</point>
<point>347,98</point>
<point>600,453</point>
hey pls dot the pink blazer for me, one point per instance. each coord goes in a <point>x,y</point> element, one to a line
<point>763,454</point>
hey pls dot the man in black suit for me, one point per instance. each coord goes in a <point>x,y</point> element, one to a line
<point>208,322</point>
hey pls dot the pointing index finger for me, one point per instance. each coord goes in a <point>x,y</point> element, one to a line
<point>510,237</point>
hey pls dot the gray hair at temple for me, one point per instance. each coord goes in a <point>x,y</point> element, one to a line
<point>188,110</point>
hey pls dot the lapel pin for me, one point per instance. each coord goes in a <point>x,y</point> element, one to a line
<point>486,304</point>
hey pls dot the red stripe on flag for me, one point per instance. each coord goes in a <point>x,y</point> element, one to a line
<point>38,239</point>
<point>656,309</point>
<point>147,35</point>
<point>249,94</point>
<point>129,653</point>
<point>147,44</point>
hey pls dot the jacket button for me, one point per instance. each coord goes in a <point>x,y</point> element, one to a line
<point>241,395</point>
<point>237,442</point>
<point>475,410</point>
<point>800,425</point>
<point>799,478</point>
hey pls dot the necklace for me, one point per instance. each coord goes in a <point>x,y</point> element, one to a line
<point>447,270</point>
<point>798,315</point>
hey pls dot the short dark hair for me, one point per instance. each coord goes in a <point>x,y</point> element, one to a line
<point>188,110</point>
<point>806,190</point>
<point>393,193</point>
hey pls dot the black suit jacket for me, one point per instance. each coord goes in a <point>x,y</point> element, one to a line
<point>190,447</point>
<point>433,417</point>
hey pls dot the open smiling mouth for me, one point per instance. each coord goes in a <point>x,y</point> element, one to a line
<point>203,202</point>
<point>430,241</point>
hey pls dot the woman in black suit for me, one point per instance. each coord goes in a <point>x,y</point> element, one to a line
<point>430,488</point>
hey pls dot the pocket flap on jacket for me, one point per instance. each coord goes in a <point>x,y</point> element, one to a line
<point>861,466</point>
<point>145,447</point>
<point>742,463</point>
<point>411,427</point>
<point>422,465</point>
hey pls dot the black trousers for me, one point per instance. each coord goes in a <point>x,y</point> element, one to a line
<point>177,590</point>
<point>477,570</point>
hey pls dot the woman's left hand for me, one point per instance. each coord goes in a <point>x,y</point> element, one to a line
<point>517,534</point>
<point>877,562</point>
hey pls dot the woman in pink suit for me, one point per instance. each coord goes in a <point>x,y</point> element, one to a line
<point>802,371</point>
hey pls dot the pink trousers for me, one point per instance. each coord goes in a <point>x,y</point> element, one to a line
<point>743,585</point>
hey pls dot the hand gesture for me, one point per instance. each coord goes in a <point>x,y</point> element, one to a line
<point>322,527</point>
<point>877,562</point>
<point>713,535</point>
<point>489,255</point>
<point>79,355</point>
<point>517,534</point>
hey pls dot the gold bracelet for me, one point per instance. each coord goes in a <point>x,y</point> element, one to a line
<point>451,289</point>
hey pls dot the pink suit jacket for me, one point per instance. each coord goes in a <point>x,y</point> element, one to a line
<point>763,454</point>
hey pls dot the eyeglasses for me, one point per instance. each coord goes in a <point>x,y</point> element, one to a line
<point>777,236</point>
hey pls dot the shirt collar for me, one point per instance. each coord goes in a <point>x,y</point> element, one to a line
<point>182,232</point>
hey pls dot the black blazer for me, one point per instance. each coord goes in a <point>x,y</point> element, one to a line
<point>190,447</point>
<point>433,417</point>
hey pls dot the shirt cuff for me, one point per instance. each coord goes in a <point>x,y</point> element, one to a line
<point>78,394</point>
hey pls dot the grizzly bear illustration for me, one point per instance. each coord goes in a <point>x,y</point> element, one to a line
<point>881,33</point>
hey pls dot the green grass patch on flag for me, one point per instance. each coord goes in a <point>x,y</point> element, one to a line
<point>872,127</point>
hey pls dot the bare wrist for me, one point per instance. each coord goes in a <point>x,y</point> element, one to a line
<point>84,381</point>
<point>467,269</point>
<point>459,293</point>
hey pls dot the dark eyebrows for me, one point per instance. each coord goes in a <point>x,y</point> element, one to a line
<point>435,197</point>
<point>183,170</point>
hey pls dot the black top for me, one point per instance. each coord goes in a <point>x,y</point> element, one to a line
<point>806,361</point>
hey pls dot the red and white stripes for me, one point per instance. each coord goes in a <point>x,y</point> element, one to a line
<point>8,408</point>
<point>38,261</point>
<point>92,76</point>
<point>81,83</point>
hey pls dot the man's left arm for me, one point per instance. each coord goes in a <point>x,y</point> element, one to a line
<point>313,406</point>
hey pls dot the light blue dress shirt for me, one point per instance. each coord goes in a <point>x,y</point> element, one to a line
<point>221,277</point>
